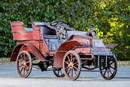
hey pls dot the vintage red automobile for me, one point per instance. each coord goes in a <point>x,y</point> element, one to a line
<point>66,50</point>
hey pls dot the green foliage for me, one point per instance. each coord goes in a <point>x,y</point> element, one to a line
<point>114,22</point>
<point>110,18</point>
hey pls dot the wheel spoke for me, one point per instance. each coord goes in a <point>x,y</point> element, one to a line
<point>27,68</point>
<point>111,62</point>
<point>23,56</point>
<point>71,72</point>
<point>20,65</point>
<point>110,71</point>
<point>27,62</point>
<point>112,67</point>
<point>105,72</point>
<point>68,58</point>
<point>66,67</point>
<point>21,69</point>
<point>75,72</point>
<point>68,71</point>
<point>71,57</point>
<point>75,63</point>
<point>66,62</point>
<point>24,71</point>
<point>75,68</point>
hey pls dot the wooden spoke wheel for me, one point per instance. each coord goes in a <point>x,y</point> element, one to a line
<point>24,64</point>
<point>108,72</point>
<point>72,65</point>
<point>58,72</point>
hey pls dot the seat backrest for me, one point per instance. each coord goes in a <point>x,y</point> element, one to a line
<point>17,26</point>
<point>20,32</point>
<point>80,33</point>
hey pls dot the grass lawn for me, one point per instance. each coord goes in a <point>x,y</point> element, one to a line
<point>120,63</point>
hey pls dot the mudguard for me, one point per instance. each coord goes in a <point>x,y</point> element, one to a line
<point>66,46</point>
<point>30,48</point>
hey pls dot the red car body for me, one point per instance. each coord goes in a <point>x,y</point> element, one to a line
<point>43,42</point>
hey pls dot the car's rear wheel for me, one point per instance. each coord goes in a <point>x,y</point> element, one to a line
<point>24,64</point>
<point>72,65</point>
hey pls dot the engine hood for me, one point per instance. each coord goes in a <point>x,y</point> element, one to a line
<point>101,51</point>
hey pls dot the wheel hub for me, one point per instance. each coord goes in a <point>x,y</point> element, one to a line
<point>23,64</point>
<point>71,65</point>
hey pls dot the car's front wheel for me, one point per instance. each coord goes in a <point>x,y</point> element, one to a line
<point>72,65</point>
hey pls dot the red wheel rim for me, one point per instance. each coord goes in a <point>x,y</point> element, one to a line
<point>72,65</point>
<point>24,64</point>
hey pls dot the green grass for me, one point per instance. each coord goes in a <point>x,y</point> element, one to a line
<point>123,63</point>
<point>7,60</point>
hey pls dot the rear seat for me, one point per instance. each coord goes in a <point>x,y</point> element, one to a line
<point>28,29</point>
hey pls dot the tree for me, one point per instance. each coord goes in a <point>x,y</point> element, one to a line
<point>110,18</point>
